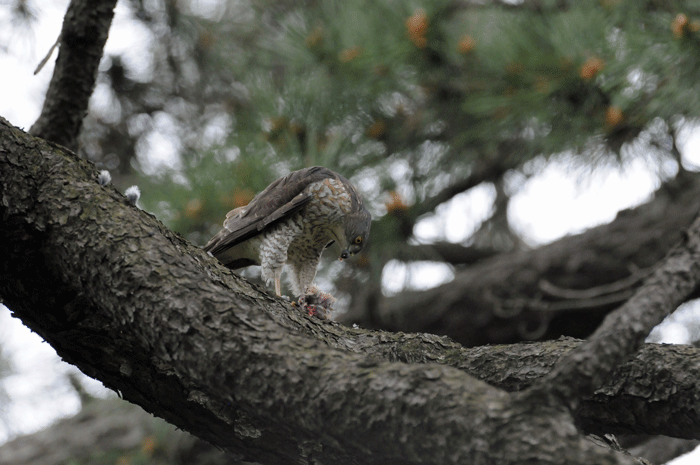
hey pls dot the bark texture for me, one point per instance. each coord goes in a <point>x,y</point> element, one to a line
<point>655,393</point>
<point>83,35</point>
<point>151,316</point>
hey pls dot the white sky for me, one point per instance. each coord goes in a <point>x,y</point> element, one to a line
<point>548,206</point>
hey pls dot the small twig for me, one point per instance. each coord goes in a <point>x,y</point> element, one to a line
<point>43,62</point>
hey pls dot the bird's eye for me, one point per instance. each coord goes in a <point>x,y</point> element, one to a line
<point>358,240</point>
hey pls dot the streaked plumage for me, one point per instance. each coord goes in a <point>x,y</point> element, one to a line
<point>291,222</point>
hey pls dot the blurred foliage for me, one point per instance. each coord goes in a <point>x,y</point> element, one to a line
<point>415,102</point>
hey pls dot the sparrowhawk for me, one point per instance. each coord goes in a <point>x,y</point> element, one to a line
<point>291,222</point>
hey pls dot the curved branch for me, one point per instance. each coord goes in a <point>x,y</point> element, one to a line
<point>622,285</point>
<point>84,33</point>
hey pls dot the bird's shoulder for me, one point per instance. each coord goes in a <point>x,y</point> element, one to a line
<point>285,190</point>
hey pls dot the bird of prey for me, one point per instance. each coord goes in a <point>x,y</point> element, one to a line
<point>291,222</point>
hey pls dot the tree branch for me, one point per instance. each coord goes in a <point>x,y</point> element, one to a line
<point>625,404</point>
<point>448,252</point>
<point>488,168</point>
<point>84,33</point>
<point>653,393</point>
<point>155,318</point>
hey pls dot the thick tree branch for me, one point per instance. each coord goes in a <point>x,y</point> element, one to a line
<point>627,400</point>
<point>132,304</point>
<point>84,33</point>
<point>654,393</point>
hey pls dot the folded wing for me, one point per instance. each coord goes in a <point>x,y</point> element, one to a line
<point>280,200</point>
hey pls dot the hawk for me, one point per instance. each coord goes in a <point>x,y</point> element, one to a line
<point>291,222</point>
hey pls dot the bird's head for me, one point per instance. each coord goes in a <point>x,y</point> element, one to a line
<point>355,233</point>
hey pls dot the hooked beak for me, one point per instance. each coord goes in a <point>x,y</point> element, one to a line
<point>348,252</point>
<point>344,252</point>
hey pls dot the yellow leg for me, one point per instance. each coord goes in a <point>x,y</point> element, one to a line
<point>278,284</point>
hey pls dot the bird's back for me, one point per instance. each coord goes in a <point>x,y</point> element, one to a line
<point>237,244</point>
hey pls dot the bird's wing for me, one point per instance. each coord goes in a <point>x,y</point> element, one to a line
<point>278,201</point>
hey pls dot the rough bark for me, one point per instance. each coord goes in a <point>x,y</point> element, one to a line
<point>110,428</point>
<point>84,33</point>
<point>563,288</point>
<point>151,316</point>
<point>654,393</point>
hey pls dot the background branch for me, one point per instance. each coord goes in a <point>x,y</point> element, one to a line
<point>84,33</point>
<point>448,252</point>
<point>466,309</point>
